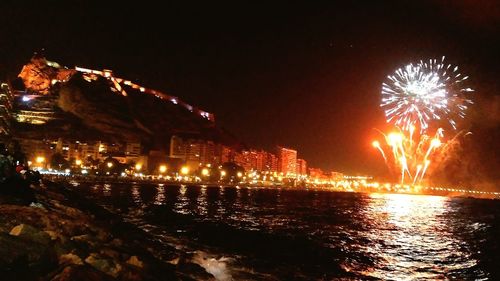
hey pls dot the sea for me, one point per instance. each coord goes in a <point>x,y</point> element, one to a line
<point>259,233</point>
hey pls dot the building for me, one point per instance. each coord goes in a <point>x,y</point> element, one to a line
<point>248,159</point>
<point>336,176</point>
<point>317,173</point>
<point>133,149</point>
<point>89,150</point>
<point>156,159</point>
<point>34,116</point>
<point>270,162</point>
<point>194,152</point>
<point>38,152</point>
<point>5,109</point>
<point>35,108</point>
<point>287,161</point>
<point>301,167</point>
<point>226,154</point>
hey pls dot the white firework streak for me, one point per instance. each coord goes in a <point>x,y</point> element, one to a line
<point>416,94</point>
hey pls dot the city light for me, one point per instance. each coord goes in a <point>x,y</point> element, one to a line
<point>109,164</point>
<point>185,170</point>
<point>40,159</point>
<point>162,168</point>
<point>138,166</point>
<point>78,162</point>
<point>222,173</point>
<point>205,172</point>
<point>239,174</point>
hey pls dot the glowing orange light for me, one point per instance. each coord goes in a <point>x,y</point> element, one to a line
<point>205,172</point>
<point>435,142</point>
<point>138,166</point>
<point>162,169</point>
<point>395,139</point>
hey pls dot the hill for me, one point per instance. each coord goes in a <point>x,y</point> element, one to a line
<point>95,105</point>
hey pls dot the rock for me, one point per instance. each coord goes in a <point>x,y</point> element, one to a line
<point>135,261</point>
<point>63,246</point>
<point>39,73</point>
<point>131,275</point>
<point>103,235</point>
<point>85,239</point>
<point>111,253</point>
<point>104,265</point>
<point>53,235</point>
<point>70,259</point>
<point>23,259</point>
<point>28,232</point>
<point>80,272</point>
<point>174,261</point>
<point>116,242</point>
<point>194,271</point>
<point>68,243</point>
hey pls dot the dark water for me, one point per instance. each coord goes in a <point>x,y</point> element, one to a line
<point>240,233</point>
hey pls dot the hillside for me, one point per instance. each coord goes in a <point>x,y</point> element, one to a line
<point>94,106</point>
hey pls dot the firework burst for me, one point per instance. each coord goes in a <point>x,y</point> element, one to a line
<point>415,97</point>
<point>416,94</point>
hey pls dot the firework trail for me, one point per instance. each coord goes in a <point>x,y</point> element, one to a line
<point>415,97</point>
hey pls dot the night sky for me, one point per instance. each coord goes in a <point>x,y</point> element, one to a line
<point>303,74</point>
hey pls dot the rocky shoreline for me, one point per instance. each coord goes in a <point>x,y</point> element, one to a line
<point>67,237</point>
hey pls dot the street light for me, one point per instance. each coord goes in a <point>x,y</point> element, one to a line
<point>222,173</point>
<point>78,162</point>
<point>205,172</point>
<point>40,159</point>
<point>138,166</point>
<point>185,170</point>
<point>162,169</point>
<point>109,164</point>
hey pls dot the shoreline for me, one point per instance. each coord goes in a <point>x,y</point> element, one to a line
<point>65,236</point>
<point>430,191</point>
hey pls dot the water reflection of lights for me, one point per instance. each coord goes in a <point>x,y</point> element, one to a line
<point>183,190</point>
<point>106,189</point>
<point>136,195</point>
<point>160,195</point>
<point>407,233</point>
<point>202,201</point>
<point>182,201</point>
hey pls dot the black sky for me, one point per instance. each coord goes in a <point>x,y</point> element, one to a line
<point>304,74</point>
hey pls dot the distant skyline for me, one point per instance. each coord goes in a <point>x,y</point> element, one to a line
<point>305,75</point>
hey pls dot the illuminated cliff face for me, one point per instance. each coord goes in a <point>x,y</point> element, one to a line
<point>39,74</point>
<point>81,103</point>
